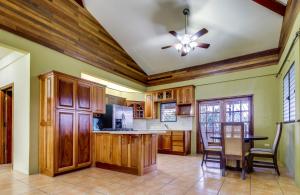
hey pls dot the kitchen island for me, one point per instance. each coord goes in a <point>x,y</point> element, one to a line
<point>133,152</point>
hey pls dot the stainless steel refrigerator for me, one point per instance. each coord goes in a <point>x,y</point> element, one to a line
<point>118,117</point>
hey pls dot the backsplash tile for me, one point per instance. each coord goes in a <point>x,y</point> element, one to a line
<point>182,123</point>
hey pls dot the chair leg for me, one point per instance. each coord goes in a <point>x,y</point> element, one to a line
<point>223,165</point>
<point>250,163</point>
<point>203,157</point>
<point>276,165</point>
<point>243,169</point>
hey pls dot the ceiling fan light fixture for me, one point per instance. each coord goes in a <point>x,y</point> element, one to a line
<point>187,42</point>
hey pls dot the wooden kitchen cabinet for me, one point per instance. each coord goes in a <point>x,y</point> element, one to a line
<point>129,153</point>
<point>66,105</point>
<point>164,95</point>
<point>149,106</point>
<point>99,102</point>
<point>138,109</point>
<point>165,141</point>
<point>185,95</point>
<point>175,142</point>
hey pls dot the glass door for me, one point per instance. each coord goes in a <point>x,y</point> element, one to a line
<point>213,112</point>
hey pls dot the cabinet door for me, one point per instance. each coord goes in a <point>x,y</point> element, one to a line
<point>65,92</point>
<point>166,142</point>
<point>99,99</point>
<point>84,95</point>
<point>180,96</point>
<point>84,127</point>
<point>149,106</point>
<point>178,141</point>
<point>65,140</point>
<point>169,94</point>
<point>188,95</point>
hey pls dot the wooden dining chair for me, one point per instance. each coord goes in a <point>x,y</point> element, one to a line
<point>267,153</point>
<point>233,145</point>
<point>210,153</point>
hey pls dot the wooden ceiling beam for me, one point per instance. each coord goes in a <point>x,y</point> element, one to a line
<point>292,11</point>
<point>273,5</point>
<point>250,61</point>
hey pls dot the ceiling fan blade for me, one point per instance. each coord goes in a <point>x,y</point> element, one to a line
<point>174,33</point>
<point>203,45</point>
<point>166,47</point>
<point>198,34</point>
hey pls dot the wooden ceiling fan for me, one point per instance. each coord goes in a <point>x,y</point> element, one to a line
<point>187,42</point>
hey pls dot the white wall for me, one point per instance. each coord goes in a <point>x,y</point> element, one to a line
<point>18,74</point>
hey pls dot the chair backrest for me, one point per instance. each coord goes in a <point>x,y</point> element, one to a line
<point>277,138</point>
<point>204,139</point>
<point>233,140</point>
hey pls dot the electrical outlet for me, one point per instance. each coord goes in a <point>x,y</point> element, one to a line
<point>267,145</point>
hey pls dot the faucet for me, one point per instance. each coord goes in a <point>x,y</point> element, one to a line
<point>167,127</point>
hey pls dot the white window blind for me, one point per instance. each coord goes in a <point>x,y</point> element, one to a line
<point>289,97</point>
<point>168,112</point>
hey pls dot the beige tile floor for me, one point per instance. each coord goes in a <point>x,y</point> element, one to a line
<point>175,175</point>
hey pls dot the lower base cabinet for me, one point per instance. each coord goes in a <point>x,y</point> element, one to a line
<point>134,154</point>
<point>175,142</point>
<point>66,146</point>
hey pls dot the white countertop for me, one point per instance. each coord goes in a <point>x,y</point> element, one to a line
<point>164,130</point>
<point>131,132</point>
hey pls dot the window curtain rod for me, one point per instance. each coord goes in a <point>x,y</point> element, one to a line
<point>288,54</point>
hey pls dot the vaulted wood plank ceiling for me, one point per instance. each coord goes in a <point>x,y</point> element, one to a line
<point>67,27</point>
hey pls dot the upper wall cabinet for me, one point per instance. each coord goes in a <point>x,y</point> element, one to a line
<point>186,95</point>
<point>65,90</point>
<point>183,96</point>
<point>149,106</point>
<point>164,95</point>
<point>138,109</point>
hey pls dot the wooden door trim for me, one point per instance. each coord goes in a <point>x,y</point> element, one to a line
<point>251,124</point>
<point>11,85</point>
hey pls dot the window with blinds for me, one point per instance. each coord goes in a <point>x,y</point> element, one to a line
<point>289,96</point>
<point>168,112</point>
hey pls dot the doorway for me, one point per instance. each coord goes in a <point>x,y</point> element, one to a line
<point>6,125</point>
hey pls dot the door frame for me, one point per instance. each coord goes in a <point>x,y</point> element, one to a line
<point>198,134</point>
<point>12,125</point>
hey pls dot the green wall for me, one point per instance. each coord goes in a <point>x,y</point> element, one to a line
<point>290,144</point>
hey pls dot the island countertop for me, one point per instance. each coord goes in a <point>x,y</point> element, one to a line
<point>135,132</point>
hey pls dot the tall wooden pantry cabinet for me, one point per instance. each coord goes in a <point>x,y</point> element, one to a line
<point>67,105</point>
